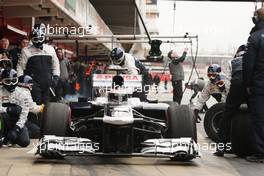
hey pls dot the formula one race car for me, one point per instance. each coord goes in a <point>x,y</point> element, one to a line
<point>118,124</point>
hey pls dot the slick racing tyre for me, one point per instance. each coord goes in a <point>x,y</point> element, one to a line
<point>240,134</point>
<point>212,119</point>
<point>56,120</point>
<point>181,124</point>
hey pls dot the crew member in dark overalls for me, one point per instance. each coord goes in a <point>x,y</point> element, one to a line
<point>236,96</point>
<point>253,76</point>
<point>40,62</point>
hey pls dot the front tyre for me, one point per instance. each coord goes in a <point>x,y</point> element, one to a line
<point>181,124</point>
<point>56,121</point>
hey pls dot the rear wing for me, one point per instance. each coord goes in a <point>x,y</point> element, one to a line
<point>105,81</point>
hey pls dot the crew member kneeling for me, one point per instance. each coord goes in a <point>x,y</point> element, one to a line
<point>217,87</point>
<point>13,109</point>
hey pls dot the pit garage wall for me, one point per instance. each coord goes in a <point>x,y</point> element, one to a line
<point>74,12</point>
<point>85,14</point>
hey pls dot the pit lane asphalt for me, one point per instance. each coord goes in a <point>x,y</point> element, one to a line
<point>15,161</point>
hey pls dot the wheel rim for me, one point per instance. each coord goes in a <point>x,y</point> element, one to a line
<point>215,121</point>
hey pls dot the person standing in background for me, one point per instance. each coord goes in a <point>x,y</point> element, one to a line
<point>62,86</point>
<point>165,84</point>
<point>15,53</point>
<point>177,73</point>
<point>156,81</point>
<point>4,45</point>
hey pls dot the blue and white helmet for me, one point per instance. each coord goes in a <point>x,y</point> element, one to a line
<point>9,79</point>
<point>117,55</point>
<point>213,70</point>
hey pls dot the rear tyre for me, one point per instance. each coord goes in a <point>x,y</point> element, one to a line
<point>181,124</point>
<point>212,120</point>
<point>56,120</point>
<point>240,134</point>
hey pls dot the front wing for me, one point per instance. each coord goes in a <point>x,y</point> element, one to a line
<point>180,148</point>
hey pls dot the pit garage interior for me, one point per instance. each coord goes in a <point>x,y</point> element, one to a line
<point>17,18</point>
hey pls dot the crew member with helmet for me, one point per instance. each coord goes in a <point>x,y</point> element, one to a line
<point>14,109</point>
<point>235,97</point>
<point>216,86</point>
<point>125,60</point>
<point>40,62</point>
<point>26,82</point>
<point>134,66</point>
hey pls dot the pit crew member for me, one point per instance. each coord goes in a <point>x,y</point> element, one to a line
<point>40,62</point>
<point>216,86</point>
<point>177,73</point>
<point>125,60</point>
<point>26,83</point>
<point>253,78</point>
<point>236,96</point>
<point>14,109</point>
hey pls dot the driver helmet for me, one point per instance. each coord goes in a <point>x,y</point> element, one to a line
<point>38,35</point>
<point>212,71</point>
<point>25,81</point>
<point>9,79</point>
<point>117,55</point>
